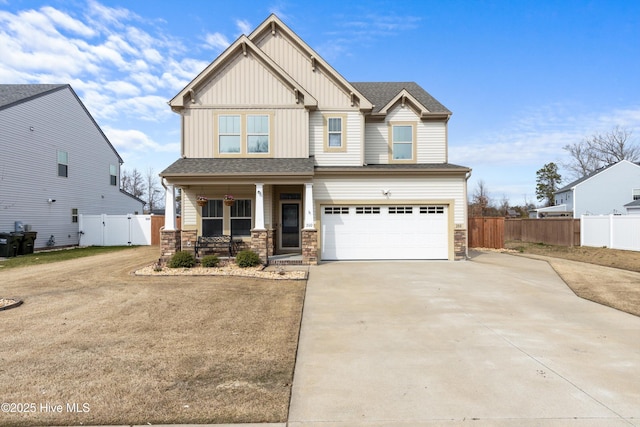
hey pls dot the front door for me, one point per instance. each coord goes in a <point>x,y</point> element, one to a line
<point>290,230</point>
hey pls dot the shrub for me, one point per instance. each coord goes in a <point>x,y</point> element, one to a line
<point>247,259</point>
<point>210,261</point>
<point>182,259</point>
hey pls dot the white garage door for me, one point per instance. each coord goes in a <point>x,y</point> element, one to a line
<point>384,232</point>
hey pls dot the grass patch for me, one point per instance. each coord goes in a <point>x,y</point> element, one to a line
<point>58,255</point>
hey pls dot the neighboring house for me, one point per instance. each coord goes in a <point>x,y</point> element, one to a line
<point>55,164</point>
<point>609,190</point>
<point>633,208</point>
<point>317,165</point>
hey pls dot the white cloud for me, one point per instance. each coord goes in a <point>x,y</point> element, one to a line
<point>216,41</point>
<point>128,140</point>
<point>244,26</point>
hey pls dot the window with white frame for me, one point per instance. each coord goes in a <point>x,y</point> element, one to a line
<point>212,218</point>
<point>241,218</point>
<point>113,175</point>
<point>636,194</point>
<point>402,142</point>
<point>334,130</point>
<point>74,215</point>
<point>257,134</point>
<point>63,164</point>
<point>229,134</point>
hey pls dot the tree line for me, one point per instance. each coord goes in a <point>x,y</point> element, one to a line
<point>145,187</point>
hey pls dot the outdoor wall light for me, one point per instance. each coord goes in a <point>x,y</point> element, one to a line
<point>51,201</point>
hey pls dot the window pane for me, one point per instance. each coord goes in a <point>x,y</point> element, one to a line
<point>402,134</point>
<point>402,151</point>
<point>63,170</point>
<point>63,157</point>
<point>211,227</point>
<point>114,180</point>
<point>229,143</point>
<point>241,208</point>
<point>335,125</point>
<point>213,209</point>
<point>335,140</point>
<point>258,124</point>
<point>258,143</point>
<point>240,227</point>
<point>229,124</point>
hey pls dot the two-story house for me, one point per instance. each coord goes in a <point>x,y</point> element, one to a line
<point>55,164</point>
<point>315,164</point>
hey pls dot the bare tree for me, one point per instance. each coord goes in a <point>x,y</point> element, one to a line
<point>153,191</point>
<point>601,149</point>
<point>480,199</point>
<point>132,183</point>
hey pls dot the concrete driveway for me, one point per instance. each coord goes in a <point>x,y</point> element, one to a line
<point>497,341</point>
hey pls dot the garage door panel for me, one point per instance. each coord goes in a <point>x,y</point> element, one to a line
<point>384,232</point>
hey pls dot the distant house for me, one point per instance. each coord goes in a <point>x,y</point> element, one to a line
<point>316,165</point>
<point>55,164</point>
<point>614,189</point>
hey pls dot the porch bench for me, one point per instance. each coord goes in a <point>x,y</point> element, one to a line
<point>215,243</point>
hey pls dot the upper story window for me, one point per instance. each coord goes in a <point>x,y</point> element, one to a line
<point>636,194</point>
<point>113,175</point>
<point>335,132</point>
<point>243,134</point>
<point>257,134</point>
<point>402,142</point>
<point>63,163</point>
<point>229,134</point>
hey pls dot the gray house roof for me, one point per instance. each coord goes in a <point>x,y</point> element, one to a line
<point>586,177</point>
<point>633,204</point>
<point>381,93</point>
<point>206,166</point>
<point>15,94</point>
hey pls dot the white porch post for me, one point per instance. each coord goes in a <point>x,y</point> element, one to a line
<point>309,221</point>
<point>169,208</point>
<point>259,225</point>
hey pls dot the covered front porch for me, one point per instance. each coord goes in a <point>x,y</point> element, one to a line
<point>271,213</point>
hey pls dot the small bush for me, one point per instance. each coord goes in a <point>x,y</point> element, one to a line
<point>210,261</point>
<point>247,259</point>
<point>182,259</point>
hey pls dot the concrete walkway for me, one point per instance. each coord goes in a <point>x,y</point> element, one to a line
<point>497,341</point>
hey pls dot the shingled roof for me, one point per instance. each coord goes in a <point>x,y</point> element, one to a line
<point>381,93</point>
<point>211,167</point>
<point>14,94</point>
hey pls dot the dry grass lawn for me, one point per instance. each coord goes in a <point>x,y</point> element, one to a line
<point>138,350</point>
<point>606,276</point>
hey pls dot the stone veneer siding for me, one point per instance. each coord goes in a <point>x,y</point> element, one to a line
<point>310,247</point>
<point>260,244</point>
<point>460,244</point>
<point>169,243</point>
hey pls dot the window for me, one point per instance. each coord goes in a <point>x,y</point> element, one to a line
<point>229,134</point>
<point>74,215</point>
<point>400,210</point>
<point>636,194</point>
<point>113,175</point>
<point>402,142</point>
<point>335,132</point>
<point>257,134</point>
<point>212,218</point>
<point>368,210</point>
<point>63,164</point>
<point>431,210</point>
<point>336,210</point>
<point>241,218</point>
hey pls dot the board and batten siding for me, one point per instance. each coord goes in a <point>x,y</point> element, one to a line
<point>289,131</point>
<point>29,171</point>
<point>297,64</point>
<point>431,138</point>
<point>369,190</point>
<point>353,156</point>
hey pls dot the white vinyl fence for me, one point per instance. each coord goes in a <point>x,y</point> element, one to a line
<point>611,231</point>
<point>114,230</point>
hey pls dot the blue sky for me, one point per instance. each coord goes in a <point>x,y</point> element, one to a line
<point>523,78</point>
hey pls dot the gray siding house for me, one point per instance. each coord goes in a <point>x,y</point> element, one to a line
<point>55,163</point>
<point>610,190</point>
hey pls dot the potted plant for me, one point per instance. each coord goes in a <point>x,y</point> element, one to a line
<point>228,200</point>
<point>201,200</point>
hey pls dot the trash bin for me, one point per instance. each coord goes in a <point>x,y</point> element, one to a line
<point>28,242</point>
<point>17,241</point>
<point>9,243</point>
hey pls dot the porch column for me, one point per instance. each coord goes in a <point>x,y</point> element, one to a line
<point>309,221</point>
<point>169,208</point>
<point>259,225</point>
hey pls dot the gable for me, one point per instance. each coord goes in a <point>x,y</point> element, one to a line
<point>306,66</point>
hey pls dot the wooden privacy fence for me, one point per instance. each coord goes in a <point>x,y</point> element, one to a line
<point>551,231</point>
<point>486,232</point>
<point>157,222</point>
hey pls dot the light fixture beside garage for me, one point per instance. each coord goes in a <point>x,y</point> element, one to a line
<point>386,193</point>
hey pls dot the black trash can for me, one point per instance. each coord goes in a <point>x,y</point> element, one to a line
<point>28,242</point>
<point>18,238</point>
<point>9,243</point>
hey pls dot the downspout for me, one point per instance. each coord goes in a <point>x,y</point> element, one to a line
<point>466,219</point>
